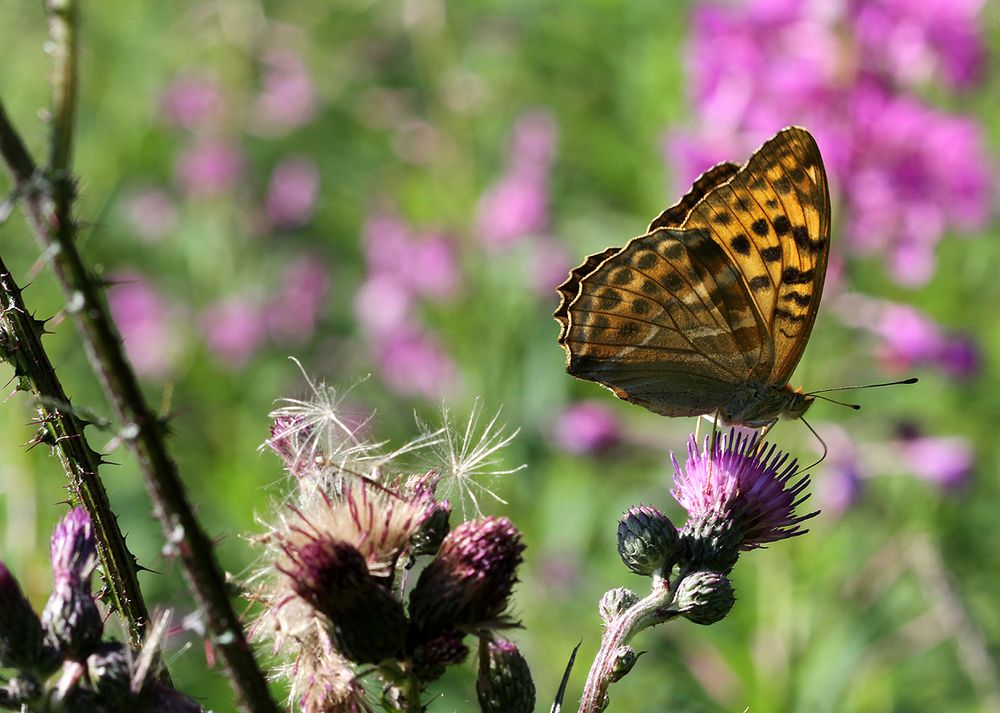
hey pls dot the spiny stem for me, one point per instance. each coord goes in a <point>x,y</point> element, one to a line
<point>49,210</point>
<point>21,345</point>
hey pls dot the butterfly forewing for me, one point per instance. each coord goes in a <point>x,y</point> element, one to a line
<point>772,219</point>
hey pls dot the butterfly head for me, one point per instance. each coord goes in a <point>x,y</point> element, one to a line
<point>798,403</point>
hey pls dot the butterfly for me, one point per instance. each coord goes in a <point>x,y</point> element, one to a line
<point>710,310</point>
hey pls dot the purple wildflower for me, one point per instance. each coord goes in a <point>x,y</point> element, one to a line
<point>291,194</point>
<point>907,173</point>
<point>233,330</point>
<point>209,167</point>
<point>944,461</point>
<point>288,96</point>
<point>191,101</point>
<point>739,495</point>
<point>517,205</point>
<point>146,324</point>
<point>413,363</point>
<point>293,314</point>
<point>587,427</point>
<point>913,41</point>
<point>841,484</point>
<point>71,621</point>
<point>151,213</point>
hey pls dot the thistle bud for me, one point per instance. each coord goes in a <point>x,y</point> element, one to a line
<point>110,675</point>
<point>647,540</point>
<point>711,541</point>
<point>431,658</point>
<point>367,624</point>
<point>625,658</point>
<point>71,620</point>
<point>469,582</point>
<point>434,528</point>
<point>615,602</point>
<point>21,639</point>
<point>705,597</point>
<point>504,682</point>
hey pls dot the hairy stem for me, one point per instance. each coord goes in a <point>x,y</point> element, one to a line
<point>651,610</point>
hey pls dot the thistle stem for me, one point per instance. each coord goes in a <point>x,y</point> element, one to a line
<point>49,210</point>
<point>651,610</point>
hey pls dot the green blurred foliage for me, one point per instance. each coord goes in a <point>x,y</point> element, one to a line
<point>851,617</point>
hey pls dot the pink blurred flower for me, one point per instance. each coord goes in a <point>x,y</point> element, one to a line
<point>293,314</point>
<point>412,363</point>
<point>288,97</point>
<point>147,326</point>
<point>914,41</point>
<point>151,213</point>
<point>946,461</point>
<point>382,304</point>
<point>291,194</point>
<point>424,265</point>
<point>909,338</point>
<point>191,101</point>
<point>209,167</point>
<point>233,330</point>
<point>549,265</point>
<point>516,206</point>
<point>587,427</point>
<point>908,173</point>
<point>841,484</point>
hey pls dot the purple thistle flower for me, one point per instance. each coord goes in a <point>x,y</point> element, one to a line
<point>469,582</point>
<point>367,624</point>
<point>504,683</point>
<point>739,495</point>
<point>71,620</point>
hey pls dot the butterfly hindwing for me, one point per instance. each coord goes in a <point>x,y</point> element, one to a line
<point>666,321</point>
<point>674,216</point>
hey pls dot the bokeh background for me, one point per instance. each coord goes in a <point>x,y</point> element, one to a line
<point>396,188</point>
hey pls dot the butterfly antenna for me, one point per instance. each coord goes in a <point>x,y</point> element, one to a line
<point>911,380</point>
<point>856,407</point>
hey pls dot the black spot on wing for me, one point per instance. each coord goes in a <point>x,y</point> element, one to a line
<point>781,225</point>
<point>740,244</point>
<point>799,298</point>
<point>760,227</point>
<point>646,260</point>
<point>771,254</point>
<point>794,276</point>
<point>761,282</point>
<point>790,316</point>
